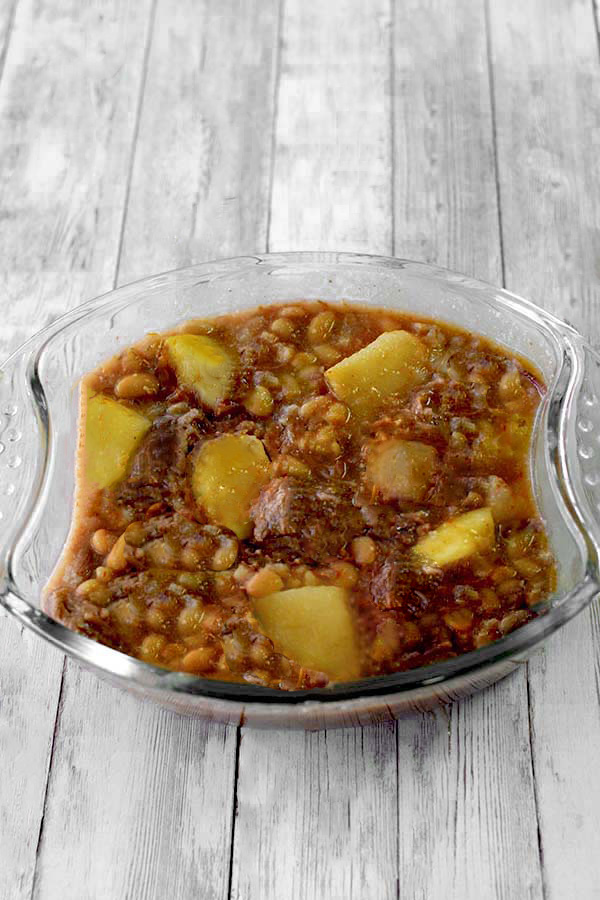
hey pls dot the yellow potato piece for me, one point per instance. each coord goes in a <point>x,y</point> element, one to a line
<point>390,366</point>
<point>459,538</point>
<point>313,626</point>
<point>112,434</point>
<point>228,474</point>
<point>203,364</point>
<point>506,502</point>
<point>400,470</point>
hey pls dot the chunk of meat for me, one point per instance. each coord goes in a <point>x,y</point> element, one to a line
<point>158,468</point>
<point>151,463</point>
<point>396,583</point>
<point>388,584</point>
<point>317,520</point>
<point>386,522</point>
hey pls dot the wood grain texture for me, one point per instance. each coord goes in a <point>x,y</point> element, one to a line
<point>168,780</point>
<point>7,16</point>
<point>548,120</point>
<point>200,183</point>
<point>467,824</point>
<point>316,813</point>
<point>61,130</point>
<point>69,95</point>
<point>176,159</point>
<point>464,783</point>
<point>467,820</point>
<point>445,207</point>
<point>138,800</point>
<point>547,84</point>
<point>30,677</point>
<point>331,186</point>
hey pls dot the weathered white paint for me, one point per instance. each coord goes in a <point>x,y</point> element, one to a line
<point>466,793</point>
<point>466,823</point>
<point>30,677</point>
<point>331,186</point>
<point>7,14</point>
<point>442,805</point>
<point>200,185</point>
<point>547,83</point>
<point>138,802</point>
<point>316,813</point>
<point>64,141</point>
<point>445,201</point>
<point>168,781</point>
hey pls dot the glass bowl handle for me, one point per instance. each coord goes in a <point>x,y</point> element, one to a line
<point>23,442</point>
<point>579,438</point>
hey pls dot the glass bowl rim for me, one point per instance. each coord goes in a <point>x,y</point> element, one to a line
<point>144,675</point>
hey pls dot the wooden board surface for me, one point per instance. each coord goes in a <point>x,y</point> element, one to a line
<point>158,775</point>
<point>444,181</point>
<point>67,100</point>
<point>142,136</point>
<point>302,828</point>
<point>547,117</point>
<point>466,808</point>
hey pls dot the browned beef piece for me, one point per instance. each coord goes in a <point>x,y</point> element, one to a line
<point>397,583</point>
<point>151,462</point>
<point>386,522</point>
<point>316,519</point>
<point>158,467</point>
<point>389,582</point>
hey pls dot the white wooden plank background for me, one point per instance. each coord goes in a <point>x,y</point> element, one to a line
<point>138,135</point>
<point>548,129</point>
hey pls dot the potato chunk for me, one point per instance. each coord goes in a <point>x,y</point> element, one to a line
<point>400,470</point>
<point>506,502</point>
<point>228,474</point>
<point>313,626</point>
<point>112,434</point>
<point>459,538</point>
<point>391,365</point>
<point>203,364</point>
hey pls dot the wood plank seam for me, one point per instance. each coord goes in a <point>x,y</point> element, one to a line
<point>492,93</point>
<point>134,139</point>
<point>129,174</point>
<point>275,101</point>
<point>392,139</point>
<point>319,801</point>
<point>535,789</point>
<point>543,872</point>
<point>236,772</point>
<point>397,746</point>
<point>548,126</point>
<point>392,132</point>
<point>59,706</point>
<point>276,80</point>
<point>9,31</point>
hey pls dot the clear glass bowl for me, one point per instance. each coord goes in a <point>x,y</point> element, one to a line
<point>38,429</point>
